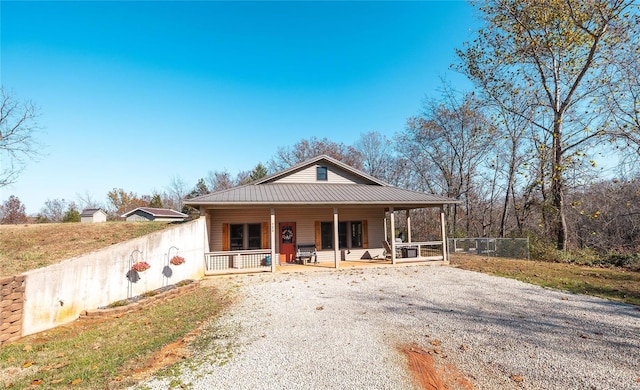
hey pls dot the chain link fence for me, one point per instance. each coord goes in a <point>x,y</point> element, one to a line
<point>516,248</point>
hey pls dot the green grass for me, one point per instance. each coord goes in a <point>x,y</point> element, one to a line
<point>106,354</point>
<point>616,284</point>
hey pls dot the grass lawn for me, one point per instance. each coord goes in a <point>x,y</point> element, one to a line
<point>615,284</point>
<point>27,247</point>
<point>111,353</point>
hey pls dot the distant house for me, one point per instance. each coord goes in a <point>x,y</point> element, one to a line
<point>93,215</point>
<point>154,214</point>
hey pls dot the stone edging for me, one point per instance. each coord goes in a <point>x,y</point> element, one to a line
<point>12,290</point>
<point>140,304</point>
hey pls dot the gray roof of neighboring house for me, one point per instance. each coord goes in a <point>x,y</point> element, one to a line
<point>89,212</point>
<point>156,212</point>
<point>318,194</point>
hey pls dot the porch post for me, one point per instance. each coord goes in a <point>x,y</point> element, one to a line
<point>408,226</point>
<point>445,256</point>
<point>336,250</point>
<point>392,214</point>
<point>384,219</point>
<point>273,240</point>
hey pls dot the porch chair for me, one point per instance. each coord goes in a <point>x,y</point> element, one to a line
<point>388,250</point>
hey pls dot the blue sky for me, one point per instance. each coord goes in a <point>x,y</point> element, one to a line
<point>135,93</point>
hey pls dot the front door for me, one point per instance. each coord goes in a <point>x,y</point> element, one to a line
<point>287,242</point>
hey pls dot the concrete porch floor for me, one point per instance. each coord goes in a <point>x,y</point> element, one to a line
<point>381,263</point>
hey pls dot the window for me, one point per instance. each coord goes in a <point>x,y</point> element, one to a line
<point>321,173</point>
<point>245,236</point>
<point>350,234</point>
<point>255,236</point>
<point>342,235</point>
<point>326,234</point>
<point>236,237</point>
<point>356,234</point>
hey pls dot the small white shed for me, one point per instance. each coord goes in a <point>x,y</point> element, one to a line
<point>154,214</point>
<point>93,215</point>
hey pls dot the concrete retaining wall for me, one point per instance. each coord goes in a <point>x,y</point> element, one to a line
<point>11,307</point>
<point>57,294</point>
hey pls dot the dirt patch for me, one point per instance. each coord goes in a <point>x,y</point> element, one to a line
<point>169,355</point>
<point>431,373</point>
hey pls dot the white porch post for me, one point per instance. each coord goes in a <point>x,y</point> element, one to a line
<point>273,240</point>
<point>386,236</point>
<point>408,226</point>
<point>336,250</point>
<point>445,256</point>
<point>392,214</point>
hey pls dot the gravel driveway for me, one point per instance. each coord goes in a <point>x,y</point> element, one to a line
<point>340,329</point>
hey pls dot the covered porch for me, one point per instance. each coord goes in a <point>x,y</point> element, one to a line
<point>371,239</point>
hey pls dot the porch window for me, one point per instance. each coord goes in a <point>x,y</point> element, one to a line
<point>245,236</point>
<point>342,235</point>
<point>356,234</point>
<point>236,237</point>
<point>255,236</point>
<point>321,173</point>
<point>350,234</point>
<point>326,234</point>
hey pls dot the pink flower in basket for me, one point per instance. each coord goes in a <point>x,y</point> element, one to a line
<point>177,260</point>
<point>140,266</point>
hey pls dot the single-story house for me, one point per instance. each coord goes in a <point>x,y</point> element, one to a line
<point>93,215</point>
<point>154,214</point>
<point>321,207</point>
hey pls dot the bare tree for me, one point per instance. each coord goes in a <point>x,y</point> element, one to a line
<point>306,149</point>
<point>18,126</point>
<point>219,180</point>
<point>375,150</point>
<point>178,189</point>
<point>553,53</point>
<point>445,148</point>
<point>53,210</point>
<point>86,201</point>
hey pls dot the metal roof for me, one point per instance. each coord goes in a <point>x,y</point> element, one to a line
<point>156,212</point>
<point>89,212</point>
<point>318,194</point>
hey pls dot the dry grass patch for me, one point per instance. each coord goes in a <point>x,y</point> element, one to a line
<point>27,247</point>
<point>616,284</point>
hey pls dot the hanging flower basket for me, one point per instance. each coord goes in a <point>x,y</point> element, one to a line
<point>140,266</point>
<point>177,260</point>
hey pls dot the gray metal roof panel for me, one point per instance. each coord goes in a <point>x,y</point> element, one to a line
<point>320,193</point>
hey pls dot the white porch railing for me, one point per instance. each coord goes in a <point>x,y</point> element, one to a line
<point>258,260</point>
<point>414,251</point>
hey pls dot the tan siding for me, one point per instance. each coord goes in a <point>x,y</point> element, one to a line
<point>220,217</point>
<point>306,220</point>
<point>334,175</point>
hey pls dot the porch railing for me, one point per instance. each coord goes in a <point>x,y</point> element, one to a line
<point>427,250</point>
<point>258,260</point>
